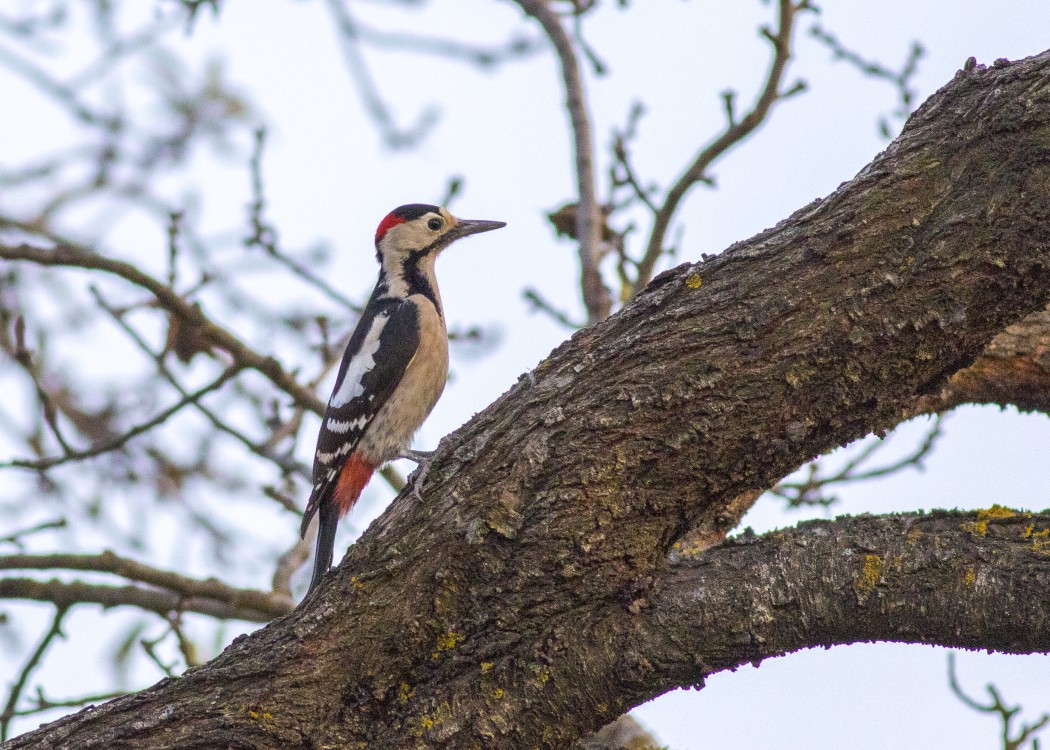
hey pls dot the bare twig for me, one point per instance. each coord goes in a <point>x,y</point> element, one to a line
<point>264,606</point>
<point>264,236</point>
<point>16,537</point>
<point>187,648</point>
<point>588,220</point>
<point>238,604</point>
<point>42,703</point>
<point>149,645</point>
<point>900,79</point>
<point>286,463</point>
<point>24,357</point>
<point>66,95</point>
<point>349,38</point>
<point>31,664</point>
<point>69,255</point>
<point>292,560</point>
<point>118,442</point>
<point>736,130</point>
<point>810,491</point>
<point>540,303</point>
<point>486,57</point>
<point>623,173</point>
<point>1011,740</point>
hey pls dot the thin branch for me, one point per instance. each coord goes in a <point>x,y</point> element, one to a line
<point>62,93</point>
<point>596,296</point>
<point>262,603</point>
<point>24,357</point>
<point>187,647</point>
<point>149,645</point>
<point>736,130</point>
<point>42,703</point>
<point>16,537</point>
<point>901,79</point>
<point>810,491</point>
<point>27,670</point>
<point>1011,740</point>
<point>286,463</point>
<point>264,236</point>
<point>515,49</point>
<point>623,159</point>
<point>540,303</point>
<point>237,604</point>
<point>67,255</point>
<point>293,559</point>
<point>349,36</point>
<point>119,441</point>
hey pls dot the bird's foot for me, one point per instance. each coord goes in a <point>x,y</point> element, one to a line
<point>423,460</point>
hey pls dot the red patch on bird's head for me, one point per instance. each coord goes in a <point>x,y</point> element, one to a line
<point>390,220</point>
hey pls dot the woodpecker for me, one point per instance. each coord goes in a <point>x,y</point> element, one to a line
<point>393,370</point>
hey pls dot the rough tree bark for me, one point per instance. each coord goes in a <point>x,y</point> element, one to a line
<point>531,596</point>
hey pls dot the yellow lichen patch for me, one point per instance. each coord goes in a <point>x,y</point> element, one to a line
<point>693,280</point>
<point>1040,540</point>
<point>914,535</point>
<point>980,526</point>
<point>405,692</point>
<point>429,721</point>
<point>543,674</point>
<point>486,666</point>
<point>970,577</point>
<point>356,583</point>
<point>870,574</point>
<point>497,693</point>
<point>259,714</point>
<point>446,642</point>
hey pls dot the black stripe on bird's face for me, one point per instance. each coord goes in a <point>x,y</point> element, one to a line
<point>417,281</point>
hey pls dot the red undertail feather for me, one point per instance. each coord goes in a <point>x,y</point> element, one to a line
<point>352,480</point>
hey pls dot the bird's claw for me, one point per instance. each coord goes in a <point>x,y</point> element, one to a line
<point>423,460</point>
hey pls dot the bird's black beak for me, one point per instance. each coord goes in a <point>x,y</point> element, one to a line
<point>467,227</point>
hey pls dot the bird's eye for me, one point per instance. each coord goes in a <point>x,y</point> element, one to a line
<point>434,224</point>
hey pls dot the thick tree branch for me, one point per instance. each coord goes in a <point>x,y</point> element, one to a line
<point>1013,370</point>
<point>943,578</point>
<point>491,614</point>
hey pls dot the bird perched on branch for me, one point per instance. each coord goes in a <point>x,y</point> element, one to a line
<point>393,370</point>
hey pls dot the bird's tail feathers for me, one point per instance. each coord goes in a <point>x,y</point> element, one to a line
<point>328,521</point>
<point>332,503</point>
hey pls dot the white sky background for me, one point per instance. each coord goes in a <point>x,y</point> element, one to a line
<point>329,178</point>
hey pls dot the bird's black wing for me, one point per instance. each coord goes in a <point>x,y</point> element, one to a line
<point>375,360</point>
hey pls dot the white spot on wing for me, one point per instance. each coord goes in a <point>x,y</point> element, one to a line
<point>339,427</point>
<point>327,458</point>
<point>361,364</point>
